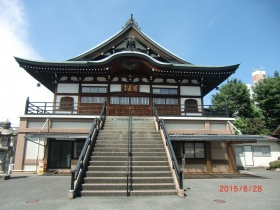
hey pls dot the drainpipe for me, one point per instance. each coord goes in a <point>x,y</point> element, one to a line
<point>239,132</point>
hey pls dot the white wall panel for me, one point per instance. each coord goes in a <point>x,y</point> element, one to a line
<point>67,88</point>
<point>115,88</point>
<point>190,90</point>
<point>144,88</point>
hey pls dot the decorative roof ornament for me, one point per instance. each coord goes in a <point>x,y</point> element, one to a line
<point>131,22</point>
<point>130,45</point>
<point>129,64</point>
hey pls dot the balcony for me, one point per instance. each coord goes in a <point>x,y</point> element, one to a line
<point>72,108</point>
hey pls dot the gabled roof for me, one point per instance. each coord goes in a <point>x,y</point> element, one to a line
<point>130,38</point>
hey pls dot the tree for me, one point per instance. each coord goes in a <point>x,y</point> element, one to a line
<point>252,126</point>
<point>267,94</point>
<point>236,94</point>
<point>249,119</point>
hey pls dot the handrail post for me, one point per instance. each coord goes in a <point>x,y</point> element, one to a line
<point>128,150</point>
<point>72,179</point>
<point>26,105</point>
<point>181,179</point>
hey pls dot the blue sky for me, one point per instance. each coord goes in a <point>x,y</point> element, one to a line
<point>204,32</point>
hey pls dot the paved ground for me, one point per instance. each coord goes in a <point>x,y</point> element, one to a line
<point>51,192</point>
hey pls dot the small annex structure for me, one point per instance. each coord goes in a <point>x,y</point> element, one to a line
<point>128,74</point>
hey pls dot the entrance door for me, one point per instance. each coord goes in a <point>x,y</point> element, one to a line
<point>60,154</point>
<point>139,106</point>
<point>248,156</point>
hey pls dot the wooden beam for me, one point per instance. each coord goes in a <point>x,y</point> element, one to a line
<point>208,157</point>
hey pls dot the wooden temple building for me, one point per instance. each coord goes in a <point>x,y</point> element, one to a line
<point>133,75</point>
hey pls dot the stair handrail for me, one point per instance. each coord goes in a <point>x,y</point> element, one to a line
<point>175,165</point>
<point>90,141</point>
<point>128,149</point>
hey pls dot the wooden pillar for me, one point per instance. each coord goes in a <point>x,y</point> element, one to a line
<point>231,158</point>
<point>208,157</point>
<point>20,152</point>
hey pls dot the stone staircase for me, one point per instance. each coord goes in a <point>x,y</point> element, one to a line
<point>150,173</point>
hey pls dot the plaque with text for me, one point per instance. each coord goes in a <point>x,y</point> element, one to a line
<point>130,88</point>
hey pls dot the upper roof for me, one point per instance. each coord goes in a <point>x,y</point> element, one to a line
<point>130,38</point>
<point>129,52</point>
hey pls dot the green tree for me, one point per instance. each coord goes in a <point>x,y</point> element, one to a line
<point>267,94</point>
<point>252,126</point>
<point>249,119</point>
<point>236,94</point>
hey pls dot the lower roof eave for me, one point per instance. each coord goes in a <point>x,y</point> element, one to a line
<point>58,136</point>
<point>231,138</point>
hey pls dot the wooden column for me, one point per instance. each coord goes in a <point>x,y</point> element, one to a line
<point>20,152</point>
<point>208,157</point>
<point>231,158</point>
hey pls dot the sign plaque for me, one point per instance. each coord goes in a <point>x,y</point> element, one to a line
<point>130,88</point>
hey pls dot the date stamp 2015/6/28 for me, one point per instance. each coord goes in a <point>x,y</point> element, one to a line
<point>242,188</point>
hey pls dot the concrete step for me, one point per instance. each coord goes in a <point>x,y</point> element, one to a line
<point>134,154</point>
<point>139,186</point>
<point>125,140</point>
<point>124,180</point>
<point>123,193</point>
<point>110,146</point>
<point>149,170</point>
<point>123,168</point>
<point>133,158</point>
<point>123,174</point>
<point>133,150</point>
<point>131,163</point>
<point>124,132</point>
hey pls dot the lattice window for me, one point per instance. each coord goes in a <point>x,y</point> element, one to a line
<point>191,106</point>
<point>66,103</point>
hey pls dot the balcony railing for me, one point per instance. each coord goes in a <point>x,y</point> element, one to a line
<point>71,108</point>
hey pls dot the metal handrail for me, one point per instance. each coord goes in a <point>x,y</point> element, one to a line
<point>78,108</point>
<point>128,149</point>
<point>83,158</point>
<point>175,165</point>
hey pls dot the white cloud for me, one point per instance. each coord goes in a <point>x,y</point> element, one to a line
<point>15,84</point>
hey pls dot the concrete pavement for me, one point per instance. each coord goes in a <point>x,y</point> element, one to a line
<point>51,192</point>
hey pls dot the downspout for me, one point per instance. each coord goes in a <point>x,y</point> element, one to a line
<point>239,132</point>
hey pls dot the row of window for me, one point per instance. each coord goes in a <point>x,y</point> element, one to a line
<point>165,91</point>
<point>129,100</point>
<point>257,151</point>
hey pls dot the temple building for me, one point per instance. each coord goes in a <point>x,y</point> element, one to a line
<point>127,74</point>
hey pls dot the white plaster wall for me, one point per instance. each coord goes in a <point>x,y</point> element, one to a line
<point>29,167</point>
<point>144,88</point>
<point>31,149</point>
<point>177,125</point>
<point>190,90</point>
<point>83,125</point>
<point>67,88</point>
<point>115,88</point>
<point>217,126</point>
<point>262,161</point>
<point>35,124</point>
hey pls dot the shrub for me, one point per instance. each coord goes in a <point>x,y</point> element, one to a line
<point>275,164</point>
